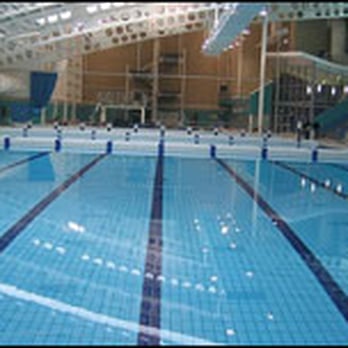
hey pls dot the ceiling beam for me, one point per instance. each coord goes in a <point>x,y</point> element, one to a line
<point>35,33</point>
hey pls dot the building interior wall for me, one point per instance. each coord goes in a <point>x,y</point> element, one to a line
<point>203,75</point>
<point>199,79</point>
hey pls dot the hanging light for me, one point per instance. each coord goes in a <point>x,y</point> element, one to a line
<point>319,88</point>
<point>309,89</point>
<point>345,89</point>
<point>333,90</point>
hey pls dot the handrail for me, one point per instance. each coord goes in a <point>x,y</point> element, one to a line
<point>320,63</point>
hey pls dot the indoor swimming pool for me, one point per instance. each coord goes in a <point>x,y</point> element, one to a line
<point>103,248</point>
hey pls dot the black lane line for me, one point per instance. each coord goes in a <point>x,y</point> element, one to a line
<point>25,160</point>
<point>309,178</point>
<point>20,225</point>
<point>150,315</point>
<point>337,295</point>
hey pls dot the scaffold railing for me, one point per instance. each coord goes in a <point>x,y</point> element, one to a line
<point>330,72</point>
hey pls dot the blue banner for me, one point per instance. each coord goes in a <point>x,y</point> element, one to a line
<point>42,85</point>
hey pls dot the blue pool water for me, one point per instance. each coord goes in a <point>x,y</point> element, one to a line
<point>119,249</point>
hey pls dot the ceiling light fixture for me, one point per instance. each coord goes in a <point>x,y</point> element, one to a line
<point>91,8</point>
<point>52,18</point>
<point>41,21</point>
<point>65,15</point>
<point>105,5</point>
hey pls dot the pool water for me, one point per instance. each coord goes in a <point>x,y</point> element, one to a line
<point>104,249</point>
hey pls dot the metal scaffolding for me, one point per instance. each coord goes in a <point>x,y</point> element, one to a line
<point>305,86</point>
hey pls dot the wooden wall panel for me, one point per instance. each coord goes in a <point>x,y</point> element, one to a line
<point>146,52</point>
<point>197,89</point>
<point>204,73</point>
<point>198,63</point>
<point>170,45</point>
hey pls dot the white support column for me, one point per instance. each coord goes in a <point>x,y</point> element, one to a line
<point>55,110</point>
<point>216,17</point>
<point>277,86</point>
<point>138,55</point>
<point>262,73</point>
<point>73,112</point>
<point>103,115</point>
<point>155,58</point>
<point>126,86</point>
<point>67,76</point>
<point>240,69</point>
<point>183,88</point>
<point>312,98</point>
<point>126,97</point>
<point>142,115</point>
<point>65,111</point>
<point>250,130</point>
<point>43,116</point>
